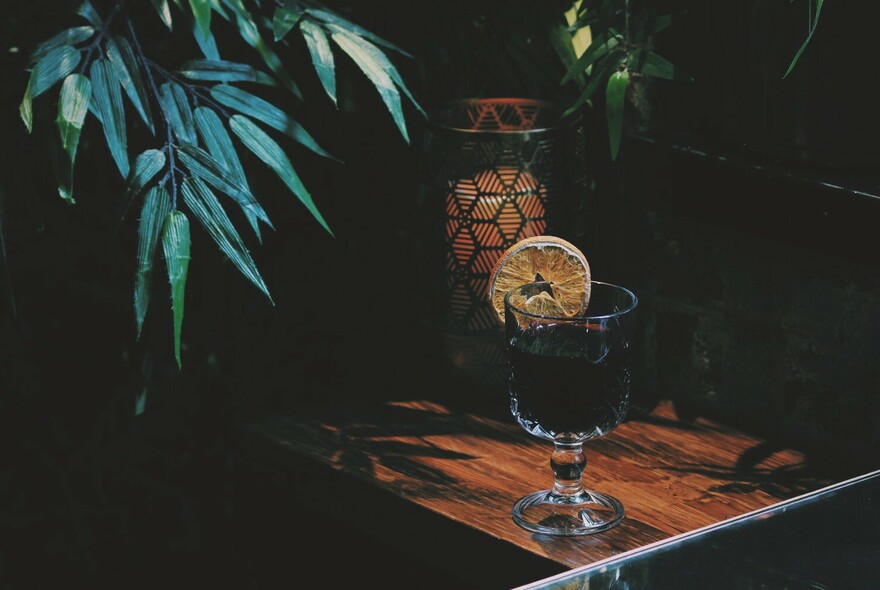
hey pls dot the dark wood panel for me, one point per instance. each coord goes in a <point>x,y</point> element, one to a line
<point>673,476</point>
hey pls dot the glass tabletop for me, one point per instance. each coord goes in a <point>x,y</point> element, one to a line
<point>826,539</point>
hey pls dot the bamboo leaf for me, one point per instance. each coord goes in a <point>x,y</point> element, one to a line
<point>651,64</point>
<point>218,7</point>
<point>265,148</point>
<point>803,47</point>
<point>123,59</point>
<point>248,31</point>
<point>26,111</point>
<point>265,112</point>
<point>53,67</point>
<point>157,205</point>
<point>140,402</point>
<point>93,109</point>
<point>590,13</point>
<point>73,104</point>
<point>284,19</point>
<point>176,245</point>
<point>585,19</point>
<point>562,43</point>
<point>201,10</point>
<point>223,71</point>
<point>164,12</point>
<point>88,12</point>
<point>201,164</point>
<point>215,137</point>
<point>71,37</point>
<point>172,98</point>
<point>615,98</point>
<point>322,56</point>
<point>353,29</point>
<point>599,48</point>
<point>146,166</point>
<point>207,209</point>
<point>108,101</point>
<point>598,77</point>
<point>206,42</point>
<point>381,61</point>
<point>359,50</point>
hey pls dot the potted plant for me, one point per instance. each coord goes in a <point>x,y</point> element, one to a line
<point>609,49</point>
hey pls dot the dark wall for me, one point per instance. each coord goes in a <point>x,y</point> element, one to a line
<point>747,212</point>
<point>760,300</point>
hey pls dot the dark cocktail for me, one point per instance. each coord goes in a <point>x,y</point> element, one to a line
<point>569,382</point>
<point>558,385</point>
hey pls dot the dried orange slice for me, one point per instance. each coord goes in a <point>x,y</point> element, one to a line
<point>546,258</point>
<point>542,304</point>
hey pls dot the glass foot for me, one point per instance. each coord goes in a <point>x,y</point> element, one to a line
<point>584,513</point>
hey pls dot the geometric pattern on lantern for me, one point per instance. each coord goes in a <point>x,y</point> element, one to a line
<point>504,116</point>
<point>485,215</point>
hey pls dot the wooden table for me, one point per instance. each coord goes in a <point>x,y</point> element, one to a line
<point>441,482</point>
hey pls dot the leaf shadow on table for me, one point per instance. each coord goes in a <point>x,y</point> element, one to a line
<point>398,444</point>
<point>747,475</point>
<point>646,416</point>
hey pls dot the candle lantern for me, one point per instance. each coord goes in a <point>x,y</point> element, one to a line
<point>495,171</point>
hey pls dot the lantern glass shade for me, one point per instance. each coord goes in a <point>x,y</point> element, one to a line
<point>494,171</point>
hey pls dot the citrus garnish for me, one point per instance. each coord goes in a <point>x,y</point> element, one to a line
<point>543,258</point>
<point>543,304</point>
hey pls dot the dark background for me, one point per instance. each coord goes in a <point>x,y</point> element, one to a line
<point>741,209</point>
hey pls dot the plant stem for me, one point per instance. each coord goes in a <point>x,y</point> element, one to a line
<point>196,92</point>
<point>96,43</point>
<point>145,63</point>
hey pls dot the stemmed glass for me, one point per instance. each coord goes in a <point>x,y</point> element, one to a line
<point>569,383</point>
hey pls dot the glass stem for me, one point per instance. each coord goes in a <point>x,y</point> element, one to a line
<point>568,462</point>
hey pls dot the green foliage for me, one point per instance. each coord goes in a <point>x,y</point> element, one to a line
<point>177,112</point>
<point>615,94</point>
<point>107,93</point>
<point>322,56</point>
<point>265,148</point>
<point>51,68</point>
<point>73,105</point>
<point>218,70</point>
<point>207,209</point>
<point>146,167</point>
<point>157,206</point>
<point>620,50</point>
<point>176,244</point>
<point>199,118</point>
<point>125,63</point>
<point>247,104</point>
<point>69,37</point>
<point>202,11</point>
<point>164,12</point>
<point>214,136</point>
<point>815,11</point>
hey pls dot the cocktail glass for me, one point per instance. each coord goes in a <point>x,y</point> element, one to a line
<point>569,383</point>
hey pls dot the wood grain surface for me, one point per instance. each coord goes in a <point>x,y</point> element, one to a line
<point>672,476</point>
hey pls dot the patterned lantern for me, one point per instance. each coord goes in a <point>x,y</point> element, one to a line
<point>502,170</point>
